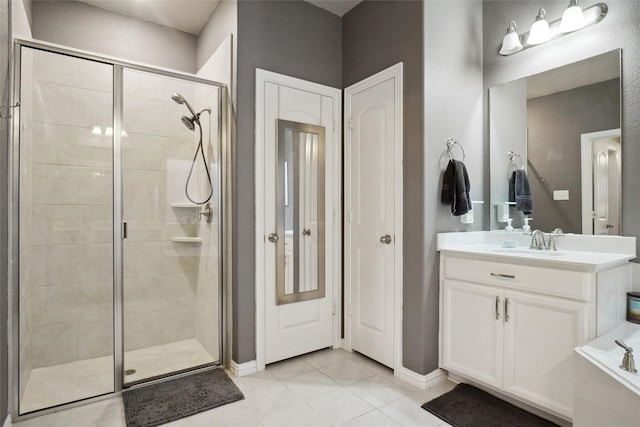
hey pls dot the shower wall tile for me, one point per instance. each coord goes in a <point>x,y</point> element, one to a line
<point>178,324</point>
<point>95,263</point>
<point>172,125</point>
<point>54,144</point>
<point>26,220</point>
<point>95,76</point>
<point>207,320</point>
<point>144,85</point>
<point>61,263</point>
<point>180,291</point>
<point>94,150</point>
<point>143,115</point>
<point>36,267</point>
<point>25,368</point>
<point>184,88</point>
<point>144,188</point>
<point>142,330</point>
<point>141,151</point>
<point>95,339</point>
<point>55,305</point>
<point>95,302</point>
<point>143,295</point>
<point>55,68</point>
<point>57,185</point>
<point>54,345</point>
<point>94,186</point>
<point>55,103</point>
<point>94,108</point>
<point>143,259</point>
<point>97,224</point>
<point>62,224</point>
<point>182,149</point>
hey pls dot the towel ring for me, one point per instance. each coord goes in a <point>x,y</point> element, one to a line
<point>512,156</point>
<point>450,144</point>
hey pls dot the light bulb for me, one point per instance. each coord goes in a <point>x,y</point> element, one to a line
<point>572,18</point>
<point>511,41</point>
<point>540,31</point>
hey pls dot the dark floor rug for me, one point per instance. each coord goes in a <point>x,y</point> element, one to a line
<point>171,400</point>
<point>467,406</point>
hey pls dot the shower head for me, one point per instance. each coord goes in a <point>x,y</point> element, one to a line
<point>181,100</point>
<point>189,122</point>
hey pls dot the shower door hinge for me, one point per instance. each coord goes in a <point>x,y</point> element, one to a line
<point>124,230</point>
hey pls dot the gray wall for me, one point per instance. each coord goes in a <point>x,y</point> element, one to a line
<point>377,35</point>
<point>287,37</point>
<point>555,124</point>
<point>453,108</point>
<point>81,26</point>
<point>4,209</point>
<point>619,29</point>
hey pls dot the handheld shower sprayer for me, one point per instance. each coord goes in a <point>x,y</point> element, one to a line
<point>190,123</point>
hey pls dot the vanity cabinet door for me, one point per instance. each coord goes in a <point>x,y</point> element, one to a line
<point>540,334</point>
<point>473,331</point>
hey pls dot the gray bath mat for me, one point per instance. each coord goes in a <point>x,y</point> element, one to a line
<point>171,400</point>
<point>467,406</point>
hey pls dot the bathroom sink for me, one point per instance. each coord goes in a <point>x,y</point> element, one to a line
<point>526,251</point>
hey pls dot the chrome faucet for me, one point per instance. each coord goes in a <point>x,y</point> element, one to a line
<point>537,240</point>
<point>551,243</point>
<point>627,360</point>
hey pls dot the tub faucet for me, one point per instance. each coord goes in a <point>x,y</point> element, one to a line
<point>627,361</point>
<point>537,240</point>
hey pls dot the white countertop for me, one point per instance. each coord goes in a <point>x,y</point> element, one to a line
<point>581,252</point>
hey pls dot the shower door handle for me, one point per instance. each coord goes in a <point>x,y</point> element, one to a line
<point>124,230</point>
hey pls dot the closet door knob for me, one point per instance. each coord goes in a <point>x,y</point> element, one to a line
<point>273,237</point>
<point>386,239</point>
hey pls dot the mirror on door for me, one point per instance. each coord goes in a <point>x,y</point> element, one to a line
<point>300,212</point>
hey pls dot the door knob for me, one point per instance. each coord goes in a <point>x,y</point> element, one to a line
<point>306,232</point>
<point>273,237</point>
<point>386,239</point>
<point>610,225</point>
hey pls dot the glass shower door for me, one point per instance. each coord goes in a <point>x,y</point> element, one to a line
<point>171,265</point>
<point>65,219</point>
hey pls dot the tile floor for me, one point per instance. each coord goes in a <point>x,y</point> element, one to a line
<point>325,388</point>
<point>69,382</point>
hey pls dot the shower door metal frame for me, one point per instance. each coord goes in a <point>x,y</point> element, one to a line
<point>224,230</point>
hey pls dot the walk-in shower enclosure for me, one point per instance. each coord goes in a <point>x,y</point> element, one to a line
<point>116,275</point>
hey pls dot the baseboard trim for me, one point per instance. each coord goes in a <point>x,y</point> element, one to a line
<point>243,369</point>
<point>421,381</point>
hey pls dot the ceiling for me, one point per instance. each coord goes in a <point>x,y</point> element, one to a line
<point>191,15</point>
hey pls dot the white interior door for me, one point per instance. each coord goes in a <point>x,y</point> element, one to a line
<point>601,182</point>
<point>295,328</point>
<point>372,173</point>
<point>606,186</point>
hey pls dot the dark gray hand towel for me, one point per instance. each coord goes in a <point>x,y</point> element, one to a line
<point>520,192</point>
<point>455,188</point>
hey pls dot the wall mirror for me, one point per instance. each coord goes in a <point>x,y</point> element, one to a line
<point>563,128</point>
<point>300,212</point>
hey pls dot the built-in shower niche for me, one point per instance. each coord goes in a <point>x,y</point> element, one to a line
<point>170,288</point>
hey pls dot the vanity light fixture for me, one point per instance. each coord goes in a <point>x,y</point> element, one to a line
<point>511,41</point>
<point>573,19</point>
<point>540,31</point>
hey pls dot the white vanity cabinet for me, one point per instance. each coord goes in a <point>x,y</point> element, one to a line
<point>512,323</point>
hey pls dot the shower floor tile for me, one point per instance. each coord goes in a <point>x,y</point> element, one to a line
<point>55,385</point>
